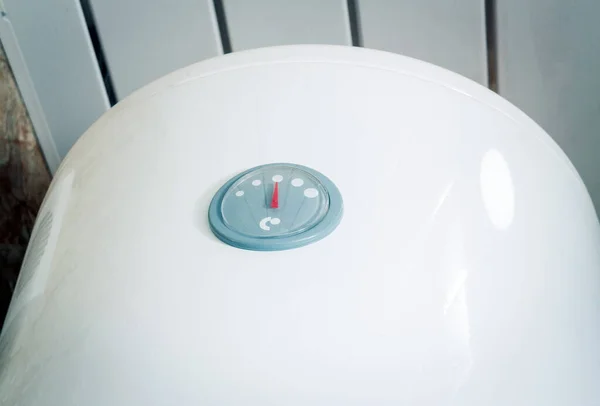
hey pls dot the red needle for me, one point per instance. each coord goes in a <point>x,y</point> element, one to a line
<point>275,198</point>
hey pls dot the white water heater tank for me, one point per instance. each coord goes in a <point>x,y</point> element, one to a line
<point>309,225</point>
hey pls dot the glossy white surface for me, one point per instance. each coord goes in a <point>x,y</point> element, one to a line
<point>466,270</point>
<point>548,64</point>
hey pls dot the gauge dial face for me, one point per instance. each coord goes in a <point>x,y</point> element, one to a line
<point>274,207</point>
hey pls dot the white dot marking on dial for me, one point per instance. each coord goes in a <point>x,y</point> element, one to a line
<point>239,193</point>
<point>297,182</point>
<point>275,221</point>
<point>256,182</point>
<point>277,178</point>
<point>264,224</point>
<point>311,193</point>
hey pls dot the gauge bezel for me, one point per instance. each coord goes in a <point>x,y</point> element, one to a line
<point>318,231</point>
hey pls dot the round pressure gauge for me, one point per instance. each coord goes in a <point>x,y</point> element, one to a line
<point>275,207</point>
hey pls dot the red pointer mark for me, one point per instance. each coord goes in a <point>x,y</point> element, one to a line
<point>275,198</point>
